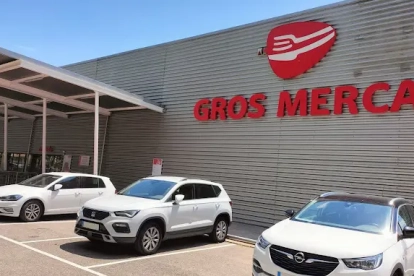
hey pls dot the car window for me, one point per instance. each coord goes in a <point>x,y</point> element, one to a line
<point>359,216</point>
<point>187,190</point>
<point>404,218</point>
<point>92,182</point>
<point>148,188</point>
<point>41,180</point>
<point>70,182</point>
<point>217,190</point>
<point>204,191</point>
<point>411,212</point>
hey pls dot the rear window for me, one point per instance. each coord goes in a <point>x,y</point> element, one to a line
<point>92,182</point>
<point>217,190</point>
<point>204,191</point>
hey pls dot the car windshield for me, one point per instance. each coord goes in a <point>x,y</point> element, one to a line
<point>366,217</point>
<point>148,188</point>
<point>40,181</point>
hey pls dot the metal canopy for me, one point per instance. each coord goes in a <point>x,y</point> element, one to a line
<point>30,88</point>
<point>25,83</point>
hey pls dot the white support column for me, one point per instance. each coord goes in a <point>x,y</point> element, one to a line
<point>44,137</point>
<point>96,135</point>
<point>6,122</point>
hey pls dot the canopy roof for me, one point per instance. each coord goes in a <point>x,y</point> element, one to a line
<point>25,82</point>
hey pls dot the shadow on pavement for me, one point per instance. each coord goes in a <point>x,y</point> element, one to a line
<point>114,251</point>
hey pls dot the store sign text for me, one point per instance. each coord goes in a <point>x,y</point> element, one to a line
<point>346,96</point>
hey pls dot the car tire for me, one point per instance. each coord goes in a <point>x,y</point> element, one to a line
<point>31,211</point>
<point>148,239</point>
<point>220,230</point>
<point>397,273</point>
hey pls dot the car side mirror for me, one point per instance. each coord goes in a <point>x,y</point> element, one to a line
<point>289,213</point>
<point>178,198</point>
<point>57,187</point>
<point>408,232</point>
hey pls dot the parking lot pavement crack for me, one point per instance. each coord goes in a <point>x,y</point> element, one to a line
<point>86,269</point>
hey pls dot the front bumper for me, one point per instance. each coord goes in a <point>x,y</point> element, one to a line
<point>264,266</point>
<point>10,208</point>
<point>107,231</point>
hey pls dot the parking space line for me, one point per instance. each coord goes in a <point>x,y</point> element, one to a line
<point>160,255</point>
<point>57,239</point>
<point>37,222</point>
<point>52,256</point>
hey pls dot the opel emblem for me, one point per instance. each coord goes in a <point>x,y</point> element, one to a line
<point>93,214</point>
<point>300,257</point>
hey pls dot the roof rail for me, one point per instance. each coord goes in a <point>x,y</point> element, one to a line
<point>333,193</point>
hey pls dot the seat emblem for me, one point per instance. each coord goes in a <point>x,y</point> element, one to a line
<point>300,257</point>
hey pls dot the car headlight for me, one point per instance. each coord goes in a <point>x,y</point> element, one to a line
<point>367,263</point>
<point>10,198</point>
<point>262,242</point>
<point>128,214</point>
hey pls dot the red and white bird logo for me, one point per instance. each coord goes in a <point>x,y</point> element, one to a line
<point>294,48</point>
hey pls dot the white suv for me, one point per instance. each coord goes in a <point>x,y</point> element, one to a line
<point>154,209</point>
<point>340,234</point>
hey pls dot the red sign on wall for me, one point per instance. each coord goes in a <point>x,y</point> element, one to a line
<point>294,48</point>
<point>220,108</point>
<point>48,148</point>
<point>345,97</point>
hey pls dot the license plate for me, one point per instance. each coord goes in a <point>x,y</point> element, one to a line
<point>90,225</point>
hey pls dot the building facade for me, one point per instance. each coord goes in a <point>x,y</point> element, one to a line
<point>344,124</point>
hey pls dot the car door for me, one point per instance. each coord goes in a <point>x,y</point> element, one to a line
<point>406,218</point>
<point>90,188</point>
<point>182,214</point>
<point>410,243</point>
<point>206,205</point>
<point>66,199</point>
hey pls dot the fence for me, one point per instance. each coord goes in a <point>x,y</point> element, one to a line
<point>8,178</point>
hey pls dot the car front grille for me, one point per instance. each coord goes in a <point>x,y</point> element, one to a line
<point>94,214</point>
<point>310,264</point>
<point>102,228</point>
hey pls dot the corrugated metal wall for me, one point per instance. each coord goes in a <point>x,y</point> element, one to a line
<point>270,164</point>
<point>132,142</point>
<point>73,135</point>
<point>18,135</point>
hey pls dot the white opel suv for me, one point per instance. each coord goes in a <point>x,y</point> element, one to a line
<point>155,209</point>
<point>340,234</point>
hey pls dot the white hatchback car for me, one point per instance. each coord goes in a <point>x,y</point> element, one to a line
<point>154,209</point>
<point>52,194</point>
<point>340,234</point>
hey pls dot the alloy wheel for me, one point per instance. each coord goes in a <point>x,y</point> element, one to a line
<point>221,230</point>
<point>32,211</point>
<point>151,239</point>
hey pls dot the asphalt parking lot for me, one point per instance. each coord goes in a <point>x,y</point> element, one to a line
<point>50,247</point>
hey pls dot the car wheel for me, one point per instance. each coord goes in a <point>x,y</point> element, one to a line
<point>149,239</point>
<point>31,211</point>
<point>220,230</point>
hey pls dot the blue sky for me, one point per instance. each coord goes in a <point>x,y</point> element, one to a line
<point>63,32</point>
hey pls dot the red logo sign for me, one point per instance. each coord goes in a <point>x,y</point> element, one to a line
<point>294,48</point>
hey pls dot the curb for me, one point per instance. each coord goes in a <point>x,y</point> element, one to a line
<point>241,240</point>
